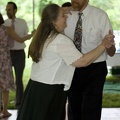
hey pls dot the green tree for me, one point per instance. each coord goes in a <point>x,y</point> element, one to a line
<point>31,11</point>
<point>112,9</point>
<point>43,3</point>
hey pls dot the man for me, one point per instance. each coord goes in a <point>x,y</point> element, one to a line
<point>85,95</point>
<point>17,51</point>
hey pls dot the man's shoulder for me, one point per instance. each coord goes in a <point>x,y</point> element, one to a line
<point>97,10</point>
<point>16,19</point>
<point>7,20</point>
<point>20,20</point>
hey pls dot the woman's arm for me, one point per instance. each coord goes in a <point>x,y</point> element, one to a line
<point>91,56</point>
<point>13,35</point>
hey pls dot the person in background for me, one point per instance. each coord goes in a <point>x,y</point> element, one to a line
<point>85,95</point>
<point>17,51</point>
<point>66,4</point>
<point>54,60</point>
<point>6,76</point>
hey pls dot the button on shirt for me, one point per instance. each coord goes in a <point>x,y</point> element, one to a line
<point>21,29</point>
<point>95,24</point>
<point>54,67</point>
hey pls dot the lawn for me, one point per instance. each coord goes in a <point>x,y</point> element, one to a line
<point>26,77</point>
<point>109,99</point>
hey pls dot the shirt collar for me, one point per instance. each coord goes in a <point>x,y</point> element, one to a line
<point>14,20</point>
<point>86,10</point>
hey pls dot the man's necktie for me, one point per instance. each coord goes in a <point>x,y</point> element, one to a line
<point>13,27</point>
<point>12,24</point>
<point>78,33</point>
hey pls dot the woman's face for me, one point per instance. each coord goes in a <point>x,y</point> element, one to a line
<point>60,23</point>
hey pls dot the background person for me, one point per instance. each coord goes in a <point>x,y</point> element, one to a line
<point>17,51</point>
<point>6,76</point>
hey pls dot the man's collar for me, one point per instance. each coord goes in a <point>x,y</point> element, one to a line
<point>86,10</point>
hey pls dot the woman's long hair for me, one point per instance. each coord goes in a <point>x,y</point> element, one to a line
<point>45,29</point>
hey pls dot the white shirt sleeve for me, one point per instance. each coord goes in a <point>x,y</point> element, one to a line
<point>67,50</point>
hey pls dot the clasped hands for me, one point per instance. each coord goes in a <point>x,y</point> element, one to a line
<point>108,40</point>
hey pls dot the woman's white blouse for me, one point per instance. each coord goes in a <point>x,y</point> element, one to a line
<point>55,66</point>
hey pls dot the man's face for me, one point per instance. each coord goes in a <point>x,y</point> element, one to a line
<point>10,11</point>
<point>79,4</point>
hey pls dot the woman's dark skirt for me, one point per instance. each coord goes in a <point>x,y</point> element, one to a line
<point>43,102</point>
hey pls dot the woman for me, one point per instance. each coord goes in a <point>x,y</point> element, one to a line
<point>54,60</point>
<point>6,76</point>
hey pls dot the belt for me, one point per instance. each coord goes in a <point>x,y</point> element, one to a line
<point>17,50</point>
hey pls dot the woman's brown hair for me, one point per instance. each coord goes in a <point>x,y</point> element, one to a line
<point>45,29</point>
<point>1,19</point>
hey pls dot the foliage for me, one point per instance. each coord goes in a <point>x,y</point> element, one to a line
<point>113,78</point>
<point>43,3</point>
<point>112,9</point>
<point>30,10</point>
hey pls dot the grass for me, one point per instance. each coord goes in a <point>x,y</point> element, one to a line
<point>11,104</point>
<point>113,79</point>
<point>110,100</point>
